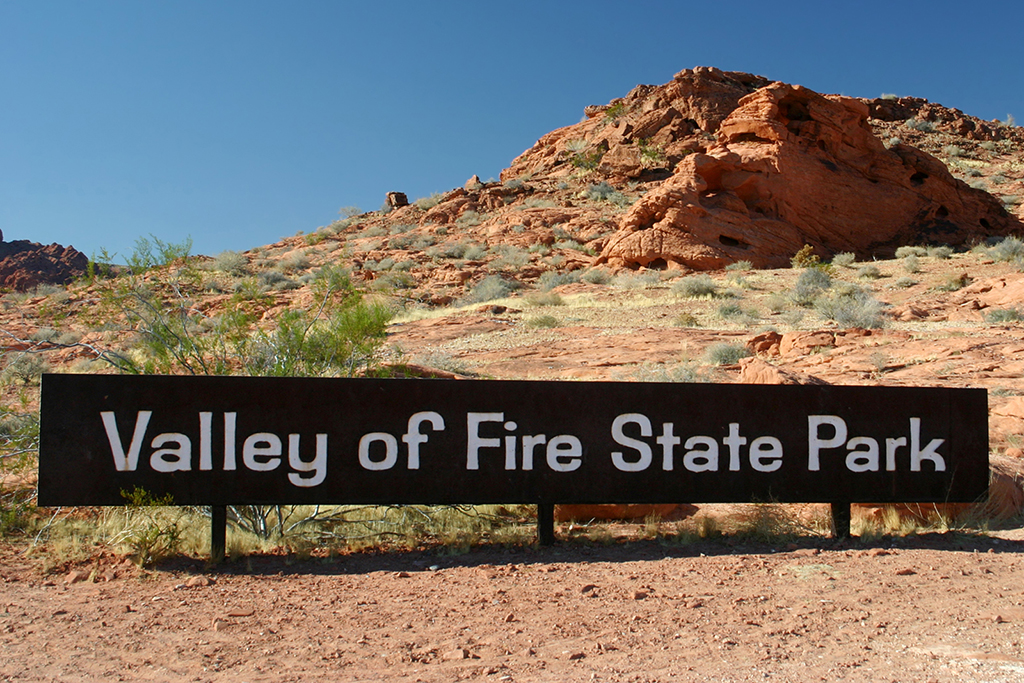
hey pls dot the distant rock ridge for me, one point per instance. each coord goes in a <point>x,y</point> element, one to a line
<point>25,265</point>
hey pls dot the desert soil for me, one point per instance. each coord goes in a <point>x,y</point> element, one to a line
<point>933,607</point>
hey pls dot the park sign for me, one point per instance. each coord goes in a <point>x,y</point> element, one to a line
<point>245,440</point>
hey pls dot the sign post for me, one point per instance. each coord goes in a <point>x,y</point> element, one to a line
<point>218,441</point>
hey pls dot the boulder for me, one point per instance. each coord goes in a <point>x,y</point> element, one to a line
<point>791,167</point>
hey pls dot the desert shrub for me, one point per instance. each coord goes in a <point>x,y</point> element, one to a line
<point>509,256</point>
<point>904,252</point>
<point>904,282</point>
<point>603,191</point>
<point>686,319</point>
<point>543,322</point>
<point>442,360</point>
<point>538,248</point>
<point>545,299</point>
<point>474,252</point>
<point>24,368</point>
<point>740,265</point>
<point>776,303</point>
<point>687,372</point>
<point>805,258</point>
<point>448,250</point>
<point>695,286</point>
<point>953,282</point>
<point>152,252</point>
<point>809,285</point>
<point>550,279</point>
<point>844,259</point>
<point>270,279</point>
<point>426,203</point>
<point>953,151</point>
<point>1004,315</point>
<point>911,264</point>
<point>469,219</point>
<point>734,313</point>
<point>315,237</point>
<point>401,242</point>
<point>869,272</point>
<point>1009,249</point>
<point>393,280</point>
<point>725,353</point>
<point>643,280</point>
<point>294,261</point>
<point>404,265</point>
<point>850,306</point>
<point>230,262</point>
<point>383,265</point>
<point>988,145</point>
<point>539,203</point>
<point>490,288</point>
<point>615,111</point>
<point>920,125</point>
<point>596,276</point>
<point>652,154</point>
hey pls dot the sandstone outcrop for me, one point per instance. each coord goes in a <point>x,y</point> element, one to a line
<point>25,265</point>
<point>792,167</point>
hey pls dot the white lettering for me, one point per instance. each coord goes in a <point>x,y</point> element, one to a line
<point>705,460</point>
<point>734,441</point>
<point>642,448</point>
<point>318,466</point>
<point>815,443</point>
<point>182,455</point>
<point>269,454</point>
<point>917,455</point>
<point>390,451</point>
<point>122,462</point>
<point>413,438</point>
<point>564,459</point>
<point>529,442</point>
<point>476,442</point>
<point>668,442</point>
<point>890,452</point>
<point>205,435</point>
<point>766,454</point>
<point>862,460</point>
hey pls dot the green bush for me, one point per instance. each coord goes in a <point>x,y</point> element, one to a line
<point>740,265</point>
<point>543,322</point>
<point>545,299</point>
<point>1009,249</point>
<point>805,258</point>
<point>725,353</point>
<point>550,279</point>
<point>230,262</point>
<point>1004,315</point>
<point>695,287</point>
<point>844,259</point>
<point>810,285</point>
<point>904,252</point>
<point>869,272</point>
<point>851,306</point>
<point>596,276</point>
<point>490,288</point>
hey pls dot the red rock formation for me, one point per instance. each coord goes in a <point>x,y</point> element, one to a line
<point>792,167</point>
<point>25,265</point>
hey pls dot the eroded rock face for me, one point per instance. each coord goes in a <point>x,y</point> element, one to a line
<point>792,167</point>
<point>25,265</point>
<point>642,135</point>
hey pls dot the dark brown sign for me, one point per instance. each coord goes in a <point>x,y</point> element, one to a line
<point>242,440</point>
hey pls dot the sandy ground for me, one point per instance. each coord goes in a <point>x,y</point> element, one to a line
<point>934,607</point>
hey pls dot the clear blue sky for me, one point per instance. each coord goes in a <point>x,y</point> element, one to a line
<point>237,123</point>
